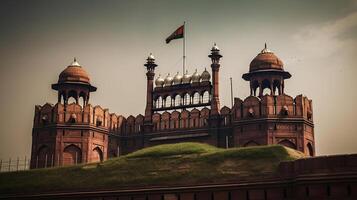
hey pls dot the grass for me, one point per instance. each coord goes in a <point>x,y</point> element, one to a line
<point>173,164</point>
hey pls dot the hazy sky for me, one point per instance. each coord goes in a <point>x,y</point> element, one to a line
<point>317,41</point>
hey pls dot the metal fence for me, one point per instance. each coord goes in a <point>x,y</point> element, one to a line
<point>18,164</point>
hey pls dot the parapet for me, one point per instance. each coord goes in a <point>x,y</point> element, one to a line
<point>281,106</point>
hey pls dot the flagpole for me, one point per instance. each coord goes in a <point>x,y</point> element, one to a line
<point>184,48</point>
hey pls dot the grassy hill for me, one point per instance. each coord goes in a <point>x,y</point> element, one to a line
<point>173,164</point>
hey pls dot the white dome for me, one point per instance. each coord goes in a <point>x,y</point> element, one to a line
<point>151,57</point>
<point>215,47</point>
<point>159,82</point>
<point>205,76</point>
<point>186,78</point>
<point>168,80</point>
<point>177,79</point>
<point>196,77</point>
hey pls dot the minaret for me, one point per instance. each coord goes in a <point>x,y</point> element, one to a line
<point>215,57</point>
<point>150,67</point>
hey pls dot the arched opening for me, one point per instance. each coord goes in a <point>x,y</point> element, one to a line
<point>178,100</point>
<point>266,87</point>
<point>288,143</point>
<point>159,102</point>
<point>205,97</point>
<point>254,87</point>
<point>82,99</point>
<point>276,87</point>
<point>72,97</point>
<point>97,155</point>
<point>43,157</point>
<point>196,98</point>
<point>72,155</point>
<point>310,149</point>
<point>251,143</point>
<point>187,99</point>
<point>71,100</point>
<point>168,102</point>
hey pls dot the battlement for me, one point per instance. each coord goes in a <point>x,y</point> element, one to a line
<point>69,114</point>
<point>270,106</point>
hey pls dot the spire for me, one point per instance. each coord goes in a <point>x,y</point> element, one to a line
<point>265,50</point>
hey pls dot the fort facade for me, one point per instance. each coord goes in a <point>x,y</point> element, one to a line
<point>178,109</point>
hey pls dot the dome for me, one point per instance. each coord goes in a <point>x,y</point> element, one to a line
<point>74,73</point>
<point>205,76</point>
<point>159,82</point>
<point>177,79</point>
<point>151,57</point>
<point>186,78</point>
<point>215,47</point>
<point>196,77</point>
<point>266,60</point>
<point>168,80</point>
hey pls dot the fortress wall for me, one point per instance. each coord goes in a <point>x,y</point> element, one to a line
<point>325,177</point>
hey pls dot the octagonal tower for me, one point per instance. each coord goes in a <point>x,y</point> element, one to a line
<point>270,116</point>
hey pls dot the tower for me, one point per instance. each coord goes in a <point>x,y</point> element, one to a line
<point>271,116</point>
<point>70,133</point>
<point>150,74</point>
<point>215,57</point>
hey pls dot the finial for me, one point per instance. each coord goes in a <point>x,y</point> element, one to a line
<point>75,63</point>
<point>151,57</point>
<point>265,50</point>
<point>215,47</point>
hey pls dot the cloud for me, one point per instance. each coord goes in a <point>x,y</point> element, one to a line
<point>329,38</point>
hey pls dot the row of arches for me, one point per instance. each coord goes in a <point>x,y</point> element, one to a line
<point>73,96</point>
<point>267,87</point>
<point>182,100</point>
<point>71,155</point>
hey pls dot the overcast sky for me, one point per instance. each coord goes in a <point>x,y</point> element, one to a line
<point>317,41</point>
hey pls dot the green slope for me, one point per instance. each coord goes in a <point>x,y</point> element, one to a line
<point>182,163</point>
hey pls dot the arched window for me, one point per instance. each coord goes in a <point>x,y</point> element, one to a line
<point>206,97</point>
<point>187,99</point>
<point>159,102</point>
<point>196,98</point>
<point>178,100</point>
<point>168,102</point>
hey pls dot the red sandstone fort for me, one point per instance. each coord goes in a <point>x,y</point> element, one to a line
<point>178,109</point>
